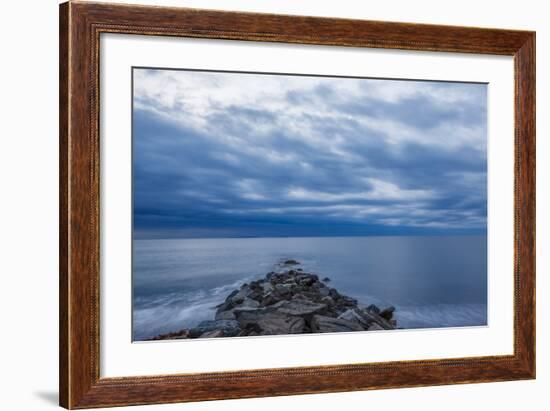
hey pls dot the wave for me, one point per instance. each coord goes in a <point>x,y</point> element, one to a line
<point>175,311</point>
<point>441,315</point>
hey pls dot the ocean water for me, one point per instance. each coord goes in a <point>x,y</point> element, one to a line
<point>432,281</point>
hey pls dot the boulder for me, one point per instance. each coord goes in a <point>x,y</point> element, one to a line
<point>267,287</point>
<point>291,282</point>
<point>212,334</point>
<point>225,306</point>
<point>341,305</point>
<point>230,328</point>
<point>247,304</point>
<point>333,292</point>
<point>324,292</point>
<point>269,299</point>
<point>291,262</point>
<point>225,315</point>
<point>323,324</point>
<point>250,329</point>
<point>301,307</point>
<point>241,294</point>
<point>255,285</point>
<point>283,288</point>
<point>375,318</point>
<point>387,313</point>
<point>373,308</point>
<point>274,324</point>
<point>355,315</point>
<point>256,294</point>
<point>347,301</point>
<point>248,318</point>
<point>228,303</point>
<point>231,295</point>
<point>179,335</point>
<point>307,281</point>
<point>328,301</point>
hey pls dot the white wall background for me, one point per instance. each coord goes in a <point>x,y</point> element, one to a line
<point>28,207</point>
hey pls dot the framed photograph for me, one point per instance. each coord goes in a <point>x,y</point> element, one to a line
<point>259,205</point>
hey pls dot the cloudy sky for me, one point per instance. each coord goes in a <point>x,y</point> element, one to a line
<point>236,154</point>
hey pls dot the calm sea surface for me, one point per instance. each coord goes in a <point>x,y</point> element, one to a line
<point>432,281</point>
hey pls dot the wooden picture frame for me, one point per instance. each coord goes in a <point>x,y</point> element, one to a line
<point>80,27</point>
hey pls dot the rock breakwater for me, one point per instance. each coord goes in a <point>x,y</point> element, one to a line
<point>290,301</point>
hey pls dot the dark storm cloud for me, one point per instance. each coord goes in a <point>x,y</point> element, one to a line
<point>254,155</point>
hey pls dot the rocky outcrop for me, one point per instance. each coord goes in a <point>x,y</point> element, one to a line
<point>290,301</point>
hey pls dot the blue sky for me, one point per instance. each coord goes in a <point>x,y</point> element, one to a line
<point>238,155</point>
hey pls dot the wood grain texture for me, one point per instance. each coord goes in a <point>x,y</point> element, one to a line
<point>63,205</point>
<point>80,27</point>
<point>525,202</point>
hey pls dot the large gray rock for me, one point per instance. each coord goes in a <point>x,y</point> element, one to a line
<point>323,324</point>
<point>375,318</point>
<point>231,295</point>
<point>226,315</point>
<point>301,307</point>
<point>328,301</point>
<point>269,299</point>
<point>356,316</point>
<point>324,291</point>
<point>267,287</point>
<point>230,328</point>
<point>274,324</point>
<point>344,299</point>
<point>228,303</point>
<point>291,262</point>
<point>373,309</point>
<point>283,289</point>
<point>257,294</point>
<point>212,334</point>
<point>387,313</point>
<point>269,323</point>
<point>247,304</point>
<point>307,279</point>
<point>333,292</point>
<point>239,297</point>
<point>225,306</point>
<point>247,317</point>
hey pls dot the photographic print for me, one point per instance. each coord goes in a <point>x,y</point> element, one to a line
<point>277,204</point>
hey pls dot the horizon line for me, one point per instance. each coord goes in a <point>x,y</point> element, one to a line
<point>310,236</point>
